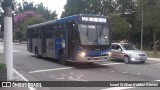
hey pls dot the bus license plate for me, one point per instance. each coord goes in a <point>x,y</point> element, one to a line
<point>97,58</point>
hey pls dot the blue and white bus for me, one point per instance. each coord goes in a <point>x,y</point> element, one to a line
<point>78,38</point>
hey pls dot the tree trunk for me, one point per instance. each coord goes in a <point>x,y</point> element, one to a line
<point>154,41</point>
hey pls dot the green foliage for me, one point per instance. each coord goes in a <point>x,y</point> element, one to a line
<point>2,65</point>
<point>151,17</point>
<point>38,13</point>
<point>120,27</point>
<point>31,21</point>
<point>24,6</point>
<point>101,7</point>
<point>45,12</point>
<point>38,8</point>
<point>1,34</point>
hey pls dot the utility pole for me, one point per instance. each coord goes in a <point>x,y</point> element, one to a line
<point>142,27</point>
<point>7,6</point>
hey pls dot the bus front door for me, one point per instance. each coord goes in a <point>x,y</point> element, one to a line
<point>70,44</point>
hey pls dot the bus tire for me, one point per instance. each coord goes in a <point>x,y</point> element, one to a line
<point>62,58</point>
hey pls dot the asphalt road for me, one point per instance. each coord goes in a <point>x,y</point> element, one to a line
<point>45,69</point>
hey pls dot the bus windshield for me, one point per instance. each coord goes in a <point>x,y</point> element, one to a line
<point>94,34</point>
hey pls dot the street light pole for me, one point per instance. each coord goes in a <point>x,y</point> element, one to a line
<point>142,28</point>
<point>7,6</point>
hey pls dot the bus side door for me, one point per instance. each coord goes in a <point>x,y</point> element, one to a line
<point>70,41</point>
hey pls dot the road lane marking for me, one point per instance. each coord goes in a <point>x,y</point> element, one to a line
<point>112,63</point>
<point>31,88</point>
<point>55,69</point>
<point>50,70</point>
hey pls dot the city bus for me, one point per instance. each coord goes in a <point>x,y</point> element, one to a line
<point>78,38</point>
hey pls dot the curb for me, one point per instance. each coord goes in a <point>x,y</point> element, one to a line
<point>154,59</point>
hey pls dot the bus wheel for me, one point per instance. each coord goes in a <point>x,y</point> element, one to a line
<point>62,58</point>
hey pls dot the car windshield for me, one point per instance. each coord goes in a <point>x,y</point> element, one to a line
<point>94,34</point>
<point>129,47</point>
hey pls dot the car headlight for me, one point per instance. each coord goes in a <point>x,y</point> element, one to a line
<point>133,55</point>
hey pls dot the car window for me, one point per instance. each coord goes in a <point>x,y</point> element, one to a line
<point>118,47</point>
<point>129,47</point>
<point>115,47</point>
<point>112,47</point>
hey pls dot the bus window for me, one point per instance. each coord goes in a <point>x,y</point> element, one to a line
<point>49,32</point>
<point>55,30</point>
<point>94,34</point>
<point>34,33</point>
<point>58,31</point>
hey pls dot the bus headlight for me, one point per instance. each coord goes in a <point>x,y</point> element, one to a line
<point>109,53</point>
<point>83,54</point>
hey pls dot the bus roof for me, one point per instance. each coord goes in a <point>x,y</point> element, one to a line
<point>74,17</point>
<point>41,24</point>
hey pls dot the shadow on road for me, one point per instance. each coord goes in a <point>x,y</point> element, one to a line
<point>77,65</point>
<point>133,63</point>
<point>86,65</point>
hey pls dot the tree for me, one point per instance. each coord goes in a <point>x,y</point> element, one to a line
<point>99,7</point>
<point>38,8</point>
<point>24,6</point>
<point>46,13</point>
<point>73,7</point>
<point>151,19</point>
<point>28,10</point>
<point>119,28</point>
<point>53,15</point>
<point>31,21</point>
<point>19,19</point>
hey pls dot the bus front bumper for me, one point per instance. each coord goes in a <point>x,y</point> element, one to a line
<point>91,59</point>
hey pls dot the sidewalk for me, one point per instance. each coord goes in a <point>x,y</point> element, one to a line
<point>155,59</point>
<point>16,77</point>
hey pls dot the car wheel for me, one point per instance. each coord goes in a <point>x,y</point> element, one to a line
<point>62,58</point>
<point>127,59</point>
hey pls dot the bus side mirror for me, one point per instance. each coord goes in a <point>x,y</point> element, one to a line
<point>2,22</point>
<point>2,27</point>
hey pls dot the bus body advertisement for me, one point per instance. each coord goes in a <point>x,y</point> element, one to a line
<point>79,38</point>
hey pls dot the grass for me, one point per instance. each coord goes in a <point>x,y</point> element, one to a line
<point>152,54</point>
<point>2,65</point>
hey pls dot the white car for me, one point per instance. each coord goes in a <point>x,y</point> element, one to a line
<point>127,52</point>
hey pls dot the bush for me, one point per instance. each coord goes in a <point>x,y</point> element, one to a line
<point>2,65</point>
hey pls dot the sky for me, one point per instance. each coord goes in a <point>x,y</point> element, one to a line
<point>51,4</point>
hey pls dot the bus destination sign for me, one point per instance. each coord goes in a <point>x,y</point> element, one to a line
<point>94,19</point>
